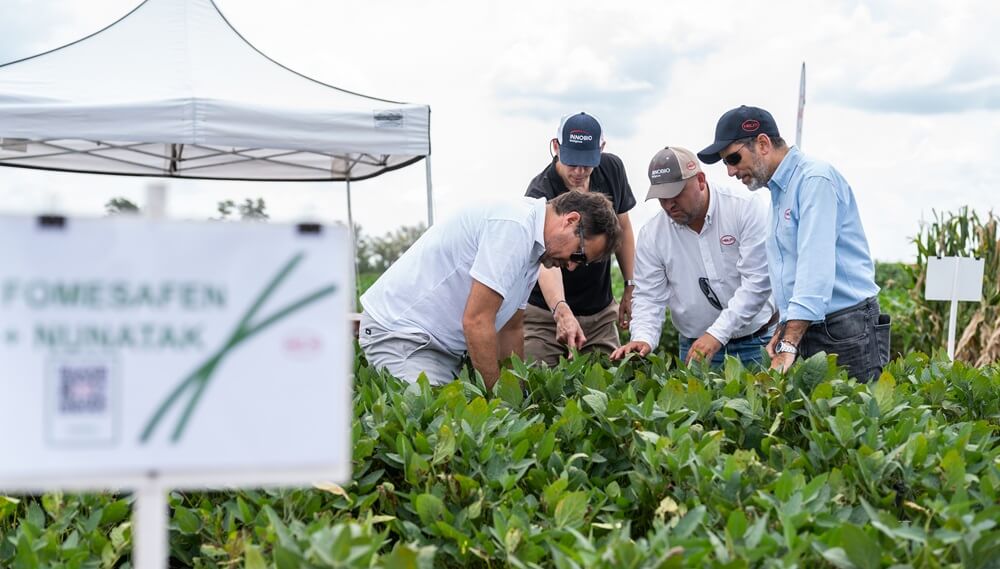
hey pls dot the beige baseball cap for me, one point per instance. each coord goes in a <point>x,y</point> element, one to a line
<point>669,170</point>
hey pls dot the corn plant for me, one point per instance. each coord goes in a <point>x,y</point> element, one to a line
<point>962,233</point>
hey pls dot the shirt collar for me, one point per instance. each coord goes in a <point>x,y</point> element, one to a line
<point>712,205</point>
<point>539,225</point>
<point>783,174</point>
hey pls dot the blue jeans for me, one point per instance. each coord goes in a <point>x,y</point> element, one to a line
<point>749,350</point>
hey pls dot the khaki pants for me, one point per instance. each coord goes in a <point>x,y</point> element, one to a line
<point>540,343</point>
<point>406,354</point>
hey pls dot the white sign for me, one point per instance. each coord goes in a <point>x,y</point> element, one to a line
<point>954,278</point>
<point>204,353</point>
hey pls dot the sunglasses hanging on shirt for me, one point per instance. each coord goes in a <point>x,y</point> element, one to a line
<point>706,289</point>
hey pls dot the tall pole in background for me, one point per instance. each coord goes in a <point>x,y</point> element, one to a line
<point>802,106</point>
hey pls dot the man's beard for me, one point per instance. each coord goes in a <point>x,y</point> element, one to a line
<point>758,173</point>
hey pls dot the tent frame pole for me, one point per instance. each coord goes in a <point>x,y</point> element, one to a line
<point>430,192</point>
<point>354,237</point>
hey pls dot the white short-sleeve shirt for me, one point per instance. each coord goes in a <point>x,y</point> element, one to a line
<point>426,289</point>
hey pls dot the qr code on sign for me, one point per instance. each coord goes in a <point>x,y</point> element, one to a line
<point>83,389</point>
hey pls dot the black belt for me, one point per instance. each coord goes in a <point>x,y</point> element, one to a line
<point>763,330</point>
<point>863,304</point>
<point>760,332</point>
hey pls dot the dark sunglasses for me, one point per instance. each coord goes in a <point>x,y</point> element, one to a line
<point>734,158</point>
<point>709,293</point>
<point>580,257</point>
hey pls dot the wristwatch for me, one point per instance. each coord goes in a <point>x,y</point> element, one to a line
<point>629,282</point>
<point>784,347</point>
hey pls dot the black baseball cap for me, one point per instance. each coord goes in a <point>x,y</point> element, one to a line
<point>580,139</point>
<point>738,123</point>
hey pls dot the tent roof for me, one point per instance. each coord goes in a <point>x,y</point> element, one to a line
<point>172,89</point>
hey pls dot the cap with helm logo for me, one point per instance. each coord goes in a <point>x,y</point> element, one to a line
<point>738,123</point>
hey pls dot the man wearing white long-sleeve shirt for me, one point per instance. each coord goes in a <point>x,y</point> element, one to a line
<point>704,257</point>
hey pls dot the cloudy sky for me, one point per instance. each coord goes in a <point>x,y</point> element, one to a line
<point>903,97</point>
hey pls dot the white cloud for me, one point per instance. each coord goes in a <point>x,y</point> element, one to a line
<point>903,97</point>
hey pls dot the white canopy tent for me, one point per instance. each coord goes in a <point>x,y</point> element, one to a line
<point>172,89</point>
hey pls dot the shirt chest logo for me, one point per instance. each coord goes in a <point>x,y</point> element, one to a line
<point>727,240</point>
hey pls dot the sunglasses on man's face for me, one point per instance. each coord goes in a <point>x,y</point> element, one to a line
<point>734,158</point>
<point>580,257</point>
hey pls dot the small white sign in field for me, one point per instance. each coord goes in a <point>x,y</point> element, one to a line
<point>203,353</point>
<point>955,279</point>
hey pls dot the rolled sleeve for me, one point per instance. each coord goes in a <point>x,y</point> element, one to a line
<point>817,240</point>
<point>755,283</point>
<point>649,299</point>
<point>498,264</point>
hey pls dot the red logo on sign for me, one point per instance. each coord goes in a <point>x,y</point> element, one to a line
<point>750,125</point>
<point>691,165</point>
<point>727,240</point>
<point>788,214</point>
<point>303,343</point>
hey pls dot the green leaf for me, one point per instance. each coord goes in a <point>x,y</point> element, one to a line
<point>822,391</point>
<point>7,506</point>
<point>121,536</point>
<point>737,524</point>
<point>476,413</point>
<point>595,378</point>
<point>571,509</point>
<point>114,512</point>
<point>861,549</point>
<point>598,401</point>
<point>554,492</point>
<point>741,406</point>
<point>252,559</point>
<point>508,388</point>
<point>954,468</point>
<point>756,532</point>
<point>430,508</point>
<point>842,426</point>
<point>883,392</point>
<point>838,558</point>
<point>35,515</point>
<point>686,526</point>
<point>285,558</point>
<point>547,444</point>
<point>25,557</point>
<point>186,521</point>
<point>285,539</point>
<point>402,557</point>
<point>445,447</point>
<point>710,446</point>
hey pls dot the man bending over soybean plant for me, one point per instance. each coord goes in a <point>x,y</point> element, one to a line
<point>462,287</point>
<point>703,256</point>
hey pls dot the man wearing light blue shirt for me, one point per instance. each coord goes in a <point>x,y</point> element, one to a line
<point>822,273</point>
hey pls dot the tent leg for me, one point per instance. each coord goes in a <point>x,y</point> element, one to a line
<point>354,240</point>
<point>430,193</point>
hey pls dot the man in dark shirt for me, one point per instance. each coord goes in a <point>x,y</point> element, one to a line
<point>575,310</point>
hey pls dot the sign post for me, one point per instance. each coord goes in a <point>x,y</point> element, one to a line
<point>148,355</point>
<point>954,279</point>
